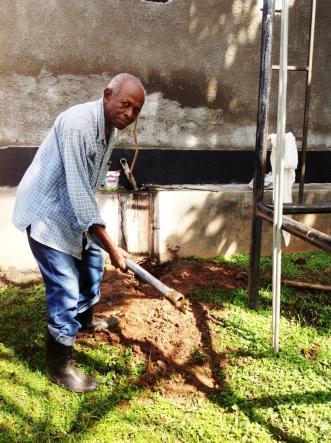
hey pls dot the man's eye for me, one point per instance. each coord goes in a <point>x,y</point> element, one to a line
<point>125,104</point>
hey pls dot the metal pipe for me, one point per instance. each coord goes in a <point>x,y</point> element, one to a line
<point>313,236</point>
<point>261,143</point>
<point>175,297</point>
<point>307,101</point>
<point>289,208</point>
<point>129,174</point>
<point>279,180</point>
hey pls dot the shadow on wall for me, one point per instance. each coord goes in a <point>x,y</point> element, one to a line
<point>204,229</point>
<point>215,78</point>
<point>221,225</point>
<point>202,86</point>
<point>220,41</point>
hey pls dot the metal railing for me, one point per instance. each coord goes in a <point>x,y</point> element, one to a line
<point>274,213</point>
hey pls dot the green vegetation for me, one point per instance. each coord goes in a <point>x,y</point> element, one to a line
<point>263,397</point>
<point>310,264</point>
<point>198,356</point>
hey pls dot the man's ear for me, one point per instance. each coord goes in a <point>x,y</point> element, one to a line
<point>107,93</point>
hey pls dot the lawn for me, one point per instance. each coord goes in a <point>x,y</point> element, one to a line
<point>263,396</point>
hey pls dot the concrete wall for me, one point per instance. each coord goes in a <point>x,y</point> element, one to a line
<point>198,59</point>
<point>171,223</point>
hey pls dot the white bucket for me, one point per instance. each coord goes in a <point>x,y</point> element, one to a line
<point>111,180</point>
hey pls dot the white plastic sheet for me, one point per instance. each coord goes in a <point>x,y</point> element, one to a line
<point>290,165</point>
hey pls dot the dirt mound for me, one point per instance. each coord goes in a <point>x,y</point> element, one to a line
<point>176,348</point>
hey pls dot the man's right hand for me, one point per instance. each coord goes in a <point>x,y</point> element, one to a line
<point>117,256</point>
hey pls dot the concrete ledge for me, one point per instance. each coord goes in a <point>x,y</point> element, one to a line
<point>171,222</point>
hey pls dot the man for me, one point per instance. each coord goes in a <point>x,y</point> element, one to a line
<point>55,204</point>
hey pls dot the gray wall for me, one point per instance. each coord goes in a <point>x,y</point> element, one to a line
<point>199,60</point>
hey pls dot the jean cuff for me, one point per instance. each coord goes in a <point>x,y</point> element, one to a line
<point>63,339</point>
<point>89,304</point>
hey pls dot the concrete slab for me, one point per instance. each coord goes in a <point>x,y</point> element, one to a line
<point>171,222</point>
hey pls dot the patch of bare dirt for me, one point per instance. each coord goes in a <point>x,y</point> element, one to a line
<point>177,348</point>
<point>19,278</point>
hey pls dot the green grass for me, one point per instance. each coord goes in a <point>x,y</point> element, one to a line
<point>264,397</point>
<point>309,264</point>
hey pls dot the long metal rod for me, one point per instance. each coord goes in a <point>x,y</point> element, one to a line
<point>289,208</point>
<point>261,143</point>
<point>311,235</point>
<point>175,297</point>
<point>307,101</point>
<point>129,175</point>
<point>279,180</point>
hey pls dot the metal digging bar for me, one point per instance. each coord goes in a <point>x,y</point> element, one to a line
<point>175,297</point>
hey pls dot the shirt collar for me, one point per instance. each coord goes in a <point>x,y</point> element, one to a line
<point>100,120</point>
<point>101,123</point>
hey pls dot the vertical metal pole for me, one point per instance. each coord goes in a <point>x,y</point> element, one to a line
<point>279,180</point>
<point>307,101</point>
<point>261,144</point>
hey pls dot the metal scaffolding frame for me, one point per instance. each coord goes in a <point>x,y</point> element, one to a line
<point>274,213</point>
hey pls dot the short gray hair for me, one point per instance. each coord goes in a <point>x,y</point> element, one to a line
<point>117,82</point>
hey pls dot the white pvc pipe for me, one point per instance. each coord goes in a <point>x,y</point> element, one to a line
<point>279,179</point>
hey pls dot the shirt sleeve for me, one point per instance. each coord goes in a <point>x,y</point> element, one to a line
<point>77,177</point>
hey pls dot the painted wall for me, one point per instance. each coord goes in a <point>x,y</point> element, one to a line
<point>199,60</point>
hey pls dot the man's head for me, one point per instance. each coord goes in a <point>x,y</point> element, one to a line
<point>123,99</point>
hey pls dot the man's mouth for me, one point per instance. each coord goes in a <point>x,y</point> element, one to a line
<point>123,122</point>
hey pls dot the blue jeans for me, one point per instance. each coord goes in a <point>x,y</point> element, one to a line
<point>72,286</point>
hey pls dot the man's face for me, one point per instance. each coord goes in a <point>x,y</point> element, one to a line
<point>123,108</point>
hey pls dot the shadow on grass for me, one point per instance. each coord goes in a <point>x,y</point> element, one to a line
<point>226,397</point>
<point>21,330</point>
<point>22,326</point>
<point>310,308</point>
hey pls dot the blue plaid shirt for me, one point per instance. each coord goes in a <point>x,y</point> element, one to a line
<point>56,194</point>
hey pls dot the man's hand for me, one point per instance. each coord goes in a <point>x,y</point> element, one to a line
<point>117,256</point>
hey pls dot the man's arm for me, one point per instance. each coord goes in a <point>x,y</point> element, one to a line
<point>80,191</point>
<point>117,255</point>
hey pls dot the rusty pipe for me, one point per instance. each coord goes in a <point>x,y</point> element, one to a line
<point>129,174</point>
<point>175,297</point>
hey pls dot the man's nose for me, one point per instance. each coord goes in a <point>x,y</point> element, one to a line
<point>129,113</point>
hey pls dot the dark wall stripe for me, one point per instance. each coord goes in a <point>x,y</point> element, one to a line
<point>166,167</point>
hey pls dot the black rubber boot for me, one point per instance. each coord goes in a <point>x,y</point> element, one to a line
<point>60,368</point>
<point>89,323</point>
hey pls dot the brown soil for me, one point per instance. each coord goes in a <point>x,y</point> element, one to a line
<point>176,348</point>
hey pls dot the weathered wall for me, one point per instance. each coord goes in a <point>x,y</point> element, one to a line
<point>199,60</point>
